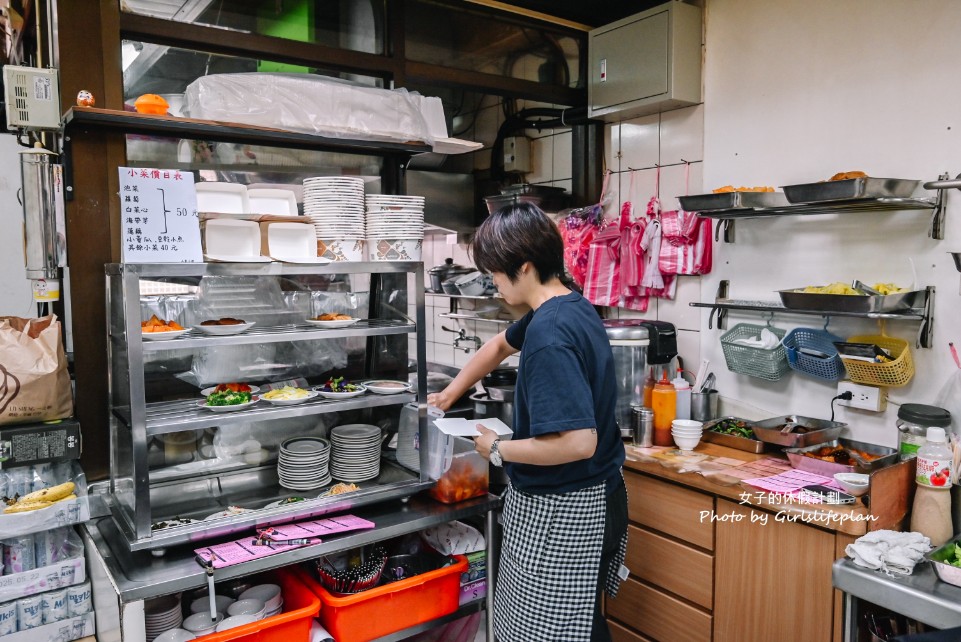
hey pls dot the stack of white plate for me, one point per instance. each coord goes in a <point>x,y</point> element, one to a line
<point>395,227</point>
<point>303,463</point>
<point>335,205</point>
<point>355,452</point>
<point>162,614</point>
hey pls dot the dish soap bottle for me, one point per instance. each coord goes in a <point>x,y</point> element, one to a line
<point>683,392</point>
<point>664,404</point>
<point>931,513</point>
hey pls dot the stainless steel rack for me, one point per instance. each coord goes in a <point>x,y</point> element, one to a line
<point>140,497</point>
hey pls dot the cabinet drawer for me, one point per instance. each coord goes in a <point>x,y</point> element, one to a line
<point>659,615</point>
<point>670,509</point>
<point>672,566</point>
<point>620,633</point>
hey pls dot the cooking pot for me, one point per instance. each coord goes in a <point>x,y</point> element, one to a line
<point>484,406</point>
<point>440,273</point>
<point>500,377</point>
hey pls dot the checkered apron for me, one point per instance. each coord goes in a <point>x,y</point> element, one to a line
<point>550,556</point>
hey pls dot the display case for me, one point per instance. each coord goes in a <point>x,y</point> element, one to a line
<point>182,473</point>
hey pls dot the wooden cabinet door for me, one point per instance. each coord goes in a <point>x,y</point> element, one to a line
<point>771,581</point>
<point>674,510</point>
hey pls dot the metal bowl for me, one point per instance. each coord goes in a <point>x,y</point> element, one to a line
<point>817,431</point>
<point>946,572</point>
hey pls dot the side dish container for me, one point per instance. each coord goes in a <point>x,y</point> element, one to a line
<point>798,299</point>
<point>866,187</point>
<point>799,460</point>
<point>946,572</point>
<point>732,201</point>
<point>731,441</point>
<point>795,431</point>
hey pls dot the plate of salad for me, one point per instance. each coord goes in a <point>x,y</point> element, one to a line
<point>947,562</point>
<point>339,388</point>
<point>228,400</point>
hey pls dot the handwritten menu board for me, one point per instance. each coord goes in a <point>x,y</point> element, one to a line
<point>158,209</point>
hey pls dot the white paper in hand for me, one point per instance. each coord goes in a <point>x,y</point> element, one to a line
<point>461,427</point>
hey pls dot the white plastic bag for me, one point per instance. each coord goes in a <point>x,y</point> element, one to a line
<point>949,398</point>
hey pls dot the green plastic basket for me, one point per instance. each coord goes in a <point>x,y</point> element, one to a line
<point>750,360</point>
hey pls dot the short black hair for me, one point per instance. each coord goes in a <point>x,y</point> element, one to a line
<point>515,234</point>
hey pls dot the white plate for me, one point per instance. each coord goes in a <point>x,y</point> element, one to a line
<point>337,323</point>
<point>387,386</point>
<point>230,512</point>
<point>341,395</point>
<point>305,445</point>
<point>283,502</point>
<point>272,201</point>
<point>240,406</point>
<point>357,431</point>
<point>311,394</point>
<point>163,336</point>
<point>206,391</point>
<point>224,330</point>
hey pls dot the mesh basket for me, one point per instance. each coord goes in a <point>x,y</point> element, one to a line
<point>752,361</point>
<point>797,340</point>
<point>894,373</point>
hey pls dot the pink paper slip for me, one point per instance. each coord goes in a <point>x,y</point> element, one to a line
<point>789,482</point>
<point>240,551</point>
<point>317,528</point>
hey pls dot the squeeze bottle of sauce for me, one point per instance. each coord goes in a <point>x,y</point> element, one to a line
<point>683,391</point>
<point>664,404</point>
<point>931,512</point>
<point>648,388</point>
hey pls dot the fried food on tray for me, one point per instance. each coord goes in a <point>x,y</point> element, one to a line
<point>731,188</point>
<point>845,176</point>
<point>223,321</point>
<point>333,316</point>
<point>155,324</point>
<point>840,455</point>
<point>341,488</point>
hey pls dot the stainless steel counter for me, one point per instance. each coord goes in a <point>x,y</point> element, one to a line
<point>921,595</point>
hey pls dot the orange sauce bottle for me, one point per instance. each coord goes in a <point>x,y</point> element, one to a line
<point>648,388</point>
<point>664,404</point>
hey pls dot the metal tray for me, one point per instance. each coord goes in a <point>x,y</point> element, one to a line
<point>731,441</point>
<point>823,431</point>
<point>868,187</point>
<point>797,299</point>
<point>946,572</point>
<point>732,201</point>
<point>801,462</point>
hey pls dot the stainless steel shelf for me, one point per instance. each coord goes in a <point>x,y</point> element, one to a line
<point>174,416</point>
<point>764,306</point>
<point>483,297</point>
<point>274,334</point>
<point>827,207</point>
<point>174,270</point>
<point>472,317</point>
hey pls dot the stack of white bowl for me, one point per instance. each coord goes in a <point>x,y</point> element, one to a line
<point>201,624</point>
<point>269,594</point>
<point>686,433</point>
<point>395,227</point>
<point>303,463</point>
<point>356,452</point>
<point>162,614</point>
<point>335,205</point>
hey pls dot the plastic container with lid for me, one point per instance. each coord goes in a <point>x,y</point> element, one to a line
<point>664,404</point>
<point>683,397</point>
<point>914,419</point>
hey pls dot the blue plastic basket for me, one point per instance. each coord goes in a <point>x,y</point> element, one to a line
<point>799,342</point>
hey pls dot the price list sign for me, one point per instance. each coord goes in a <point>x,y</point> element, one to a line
<point>159,221</point>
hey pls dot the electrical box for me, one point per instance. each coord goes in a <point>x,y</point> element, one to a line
<point>517,154</point>
<point>645,63</point>
<point>32,97</point>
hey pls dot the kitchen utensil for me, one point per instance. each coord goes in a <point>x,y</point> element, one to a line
<point>802,431</point>
<point>799,460</point>
<point>946,572</point>
<point>732,201</point>
<point>797,299</point>
<point>642,426</point>
<point>866,187</point>
<point>864,287</point>
<point>704,405</point>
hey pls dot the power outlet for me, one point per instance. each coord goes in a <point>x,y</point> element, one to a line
<point>864,397</point>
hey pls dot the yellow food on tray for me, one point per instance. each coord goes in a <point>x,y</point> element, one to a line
<point>731,188</point>
<point>888,288</point>
<point>287,393</point>
<point>833,288</point>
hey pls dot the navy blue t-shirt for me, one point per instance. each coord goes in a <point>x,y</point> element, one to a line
<point>565,382</point>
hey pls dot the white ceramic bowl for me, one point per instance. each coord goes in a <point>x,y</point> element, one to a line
<point>269,594</point>
<point>201,624</point>
<point>236,620</point>
<point>175,635</point>
<point>342,250</point>
<point>687,424</point>
<point>202,604</point>
<point>854,483</point>
<point>249,606</point>
<point>394,249</point>
<point>470,284</point>
<point>686,443</point>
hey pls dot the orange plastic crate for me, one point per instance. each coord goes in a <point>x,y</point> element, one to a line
<point>301,606</point>
<point>391,607</point>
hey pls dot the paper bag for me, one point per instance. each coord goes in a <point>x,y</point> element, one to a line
<point>34,384</point>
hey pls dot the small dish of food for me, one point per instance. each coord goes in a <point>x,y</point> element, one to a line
<point>337,388</point>
<point>288,396</point>
<point>854,483</point>
<point>333,320</point>
<point>387,386</point>
<point>229,399</point>
<point>156,329</point>
<point>286,501</point>
<point>234,387</point>
<point>224,326</point>
<point>339,489</point>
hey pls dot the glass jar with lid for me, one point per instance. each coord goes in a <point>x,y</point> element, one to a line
<point>914,419</point>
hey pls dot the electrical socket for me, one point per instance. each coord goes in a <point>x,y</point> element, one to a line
<point>864,397</point>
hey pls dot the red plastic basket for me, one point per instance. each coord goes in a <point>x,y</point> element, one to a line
<point>301,605</point>
<point>391,607</point>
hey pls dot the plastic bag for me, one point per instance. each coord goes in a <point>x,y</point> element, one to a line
<point>685,243</point>
<point>602,283</point>
<point>34,384</point>
<point>949,398</point>
<point>454,538</point>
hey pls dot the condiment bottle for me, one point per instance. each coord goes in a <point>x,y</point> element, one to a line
<point>682,407</point>
<point>648,388</point>
<point>931,513</point>
<point>664,404</point>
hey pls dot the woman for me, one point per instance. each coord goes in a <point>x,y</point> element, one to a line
<point>565,509</point>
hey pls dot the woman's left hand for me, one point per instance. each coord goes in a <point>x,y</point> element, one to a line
<point>483,443</point>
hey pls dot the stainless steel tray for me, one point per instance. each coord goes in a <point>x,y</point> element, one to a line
<point>867,187</point>
<point>797,299</point>
<point>798,459</point>
<point>731,441</point>
<point>819,431</point>
<point>946,572</point>
<point>732,201</point>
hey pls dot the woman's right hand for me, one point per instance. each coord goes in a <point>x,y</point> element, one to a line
<point>440,400</point>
